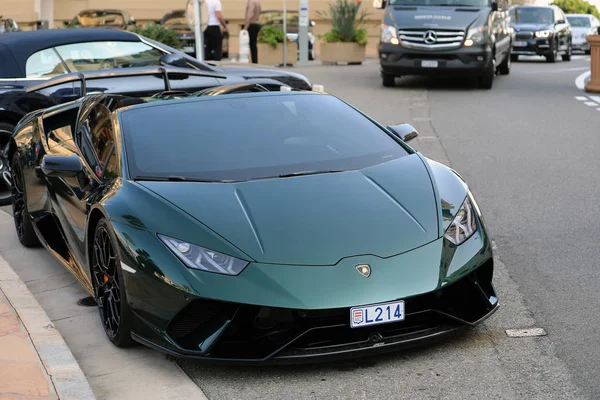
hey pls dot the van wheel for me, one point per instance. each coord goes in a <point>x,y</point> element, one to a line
<point>504,67</point>
<point>487,79</point>
<point>388,80</point>
<point>514,57</point>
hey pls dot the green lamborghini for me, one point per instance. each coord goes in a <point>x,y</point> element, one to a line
<point>252,227</point>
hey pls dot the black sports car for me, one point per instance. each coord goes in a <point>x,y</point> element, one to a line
<point>299,230</point>
<point>34,63</point>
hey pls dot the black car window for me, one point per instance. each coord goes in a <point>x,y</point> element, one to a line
<point>92,56</point>
<point>98,140</point>
<point>539,15</point>
<point>44,64</point>
<point>59,129</point>
<point>245,137</point>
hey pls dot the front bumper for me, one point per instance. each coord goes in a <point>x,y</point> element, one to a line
<point>532,47</point>
<point>241,333</point>
<point>396,60</point>
<point>293,314</point>
<point>580,45</point>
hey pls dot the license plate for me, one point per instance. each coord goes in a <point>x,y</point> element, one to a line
<point>519,44</point>
<point>376,314</point>
<point>429,64</point>
<point>188,49</point>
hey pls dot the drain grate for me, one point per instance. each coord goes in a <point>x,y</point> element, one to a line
<point>527,332</point>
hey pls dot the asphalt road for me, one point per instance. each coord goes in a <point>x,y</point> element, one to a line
<point>527,149</point>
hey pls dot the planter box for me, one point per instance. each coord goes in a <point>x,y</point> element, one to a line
<point>351,53</point>
<point>267,55</point>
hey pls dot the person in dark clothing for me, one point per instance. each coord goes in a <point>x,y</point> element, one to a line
<point>253,10</point>
<point>213,37</point>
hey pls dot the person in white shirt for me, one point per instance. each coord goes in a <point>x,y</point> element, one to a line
<point>213,37</point>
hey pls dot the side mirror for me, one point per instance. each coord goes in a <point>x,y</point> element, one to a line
<point>560,21</point>
<point>494,6</point>
<point>405,132</point>
<point>173,60</point>
<point>62,166</point>
<point>379,4</point>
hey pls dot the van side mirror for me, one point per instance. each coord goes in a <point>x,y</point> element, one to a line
<point>494,6</point>
<point>174,60</point>
<point>405,132</point>
<point>379,4</point>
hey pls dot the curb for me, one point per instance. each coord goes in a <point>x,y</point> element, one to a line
<point>64,371</point>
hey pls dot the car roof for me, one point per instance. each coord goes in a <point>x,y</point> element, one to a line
<point>188,100</point>
<point>17,47</point>
<point>579,15</point>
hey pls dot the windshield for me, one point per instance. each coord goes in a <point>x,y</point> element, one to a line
<point>579,22</point>
<point>91,56</point>
<point>449,3</point>
<point>245,137</point>
<point>537,15</point>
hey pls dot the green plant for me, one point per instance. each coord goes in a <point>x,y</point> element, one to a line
<point>347,21</point>
<point>271,35</point>
<point>159,33</point>
<point>577,7</point>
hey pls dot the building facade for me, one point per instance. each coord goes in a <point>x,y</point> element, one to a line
<point>29,13</point>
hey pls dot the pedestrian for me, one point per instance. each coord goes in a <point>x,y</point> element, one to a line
<point>253,10</point>
<point>213,37</point>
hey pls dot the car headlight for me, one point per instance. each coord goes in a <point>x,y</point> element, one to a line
<point>476,36</point>
<point>197,257</point>
<point>464,225</point>
<point>543,34</point>
<point>389,34</point>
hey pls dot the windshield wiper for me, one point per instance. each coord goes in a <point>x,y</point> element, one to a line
<point>176,179</point>
<point>303,173</point>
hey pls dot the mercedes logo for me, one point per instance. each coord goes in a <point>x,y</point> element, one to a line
<point>430,37</point>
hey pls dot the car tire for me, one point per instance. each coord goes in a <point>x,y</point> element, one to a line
<point>486,81</point>
<point>6,130</point>
<point>568,54</point>
<point>504,67</point>
<point>388,80</point>
<point>588,52</point>
<point>109,286</point>
<point>23,224</point>
<point>551,58</point>
<point>514,57</point>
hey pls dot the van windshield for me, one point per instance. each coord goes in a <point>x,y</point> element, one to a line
<point>448,3</point>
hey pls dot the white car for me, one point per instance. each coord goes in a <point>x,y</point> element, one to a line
<point>581,26</point>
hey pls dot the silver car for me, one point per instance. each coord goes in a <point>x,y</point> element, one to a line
<point>581,26</point>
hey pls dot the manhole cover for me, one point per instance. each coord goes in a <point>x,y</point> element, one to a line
<point>526,332</point>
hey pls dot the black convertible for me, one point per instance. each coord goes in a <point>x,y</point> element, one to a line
<point>40,69</point>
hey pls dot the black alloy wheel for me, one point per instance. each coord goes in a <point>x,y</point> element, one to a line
<point>107,280</point>
<point>23,224</point>
<point>6,131</point>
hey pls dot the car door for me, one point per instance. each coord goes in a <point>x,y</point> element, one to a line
<point>503,35</point>
<point>563,29</point>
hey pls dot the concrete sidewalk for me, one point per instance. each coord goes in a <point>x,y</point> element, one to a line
<point>35,362</point>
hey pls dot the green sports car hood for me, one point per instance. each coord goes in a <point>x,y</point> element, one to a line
<point>382,211</point>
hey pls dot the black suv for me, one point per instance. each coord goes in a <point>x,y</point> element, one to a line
<point>542,31</point>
